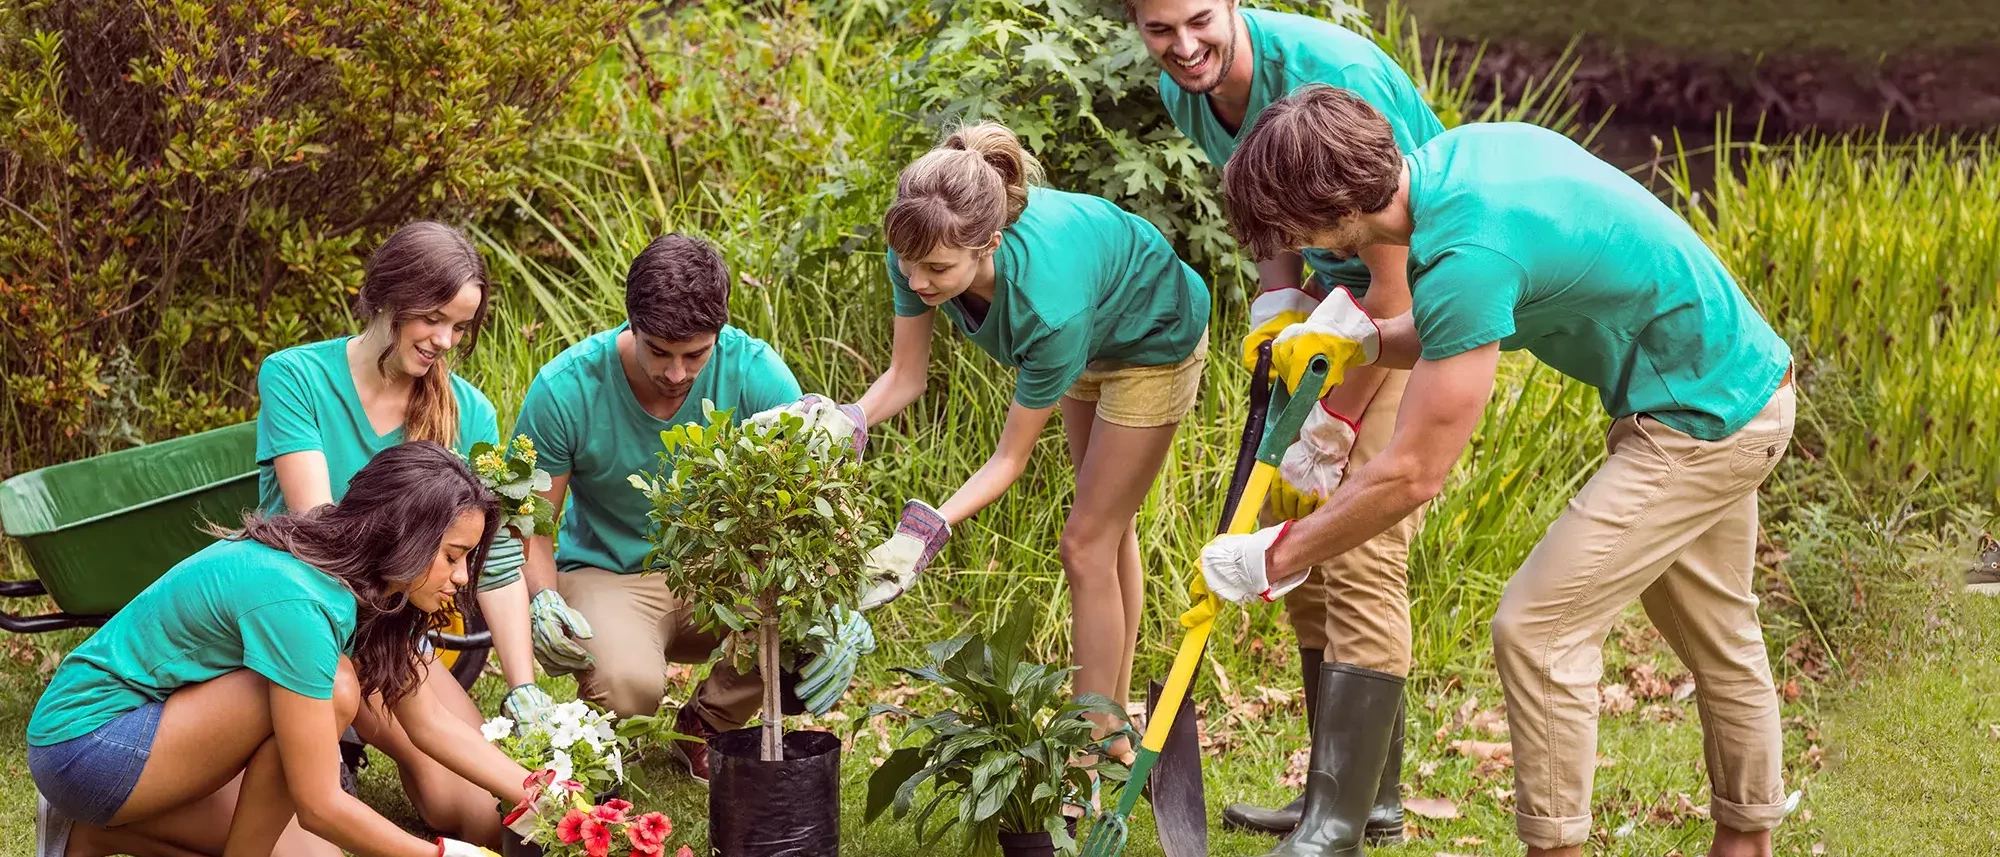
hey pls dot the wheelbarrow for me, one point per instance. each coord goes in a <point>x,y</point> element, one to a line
<point>99,530</point>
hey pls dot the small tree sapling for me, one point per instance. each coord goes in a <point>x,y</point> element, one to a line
<point>765,531</point>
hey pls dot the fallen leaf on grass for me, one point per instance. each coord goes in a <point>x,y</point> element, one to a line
<point>1468,842</point>
<point>1646,682</point>
<point>1614,699</point>
<point>1448,854</point>
<point>1432,807</point>
<point>1789,691</point>
<point>1484,751</point>
<point>1814,757</point>
<point>1660,713</point>
<point>1683,690</point>
<point>1818,849</point>
<point>1294,776</point>
<point>1492,721</point>
<point>1993,731</point>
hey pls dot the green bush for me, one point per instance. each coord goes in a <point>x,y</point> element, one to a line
<point>189,185</point>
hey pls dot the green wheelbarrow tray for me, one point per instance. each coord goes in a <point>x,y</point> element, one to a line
<point>97,531</point>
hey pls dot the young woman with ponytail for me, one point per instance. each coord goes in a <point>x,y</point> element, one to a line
<point>205,716</point>
<point>1099,316</point>
<point>328,407</point>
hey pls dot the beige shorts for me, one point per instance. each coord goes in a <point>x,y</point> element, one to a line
<point>1142,396</point>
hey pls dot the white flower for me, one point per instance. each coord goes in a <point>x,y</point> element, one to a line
<point>617,765</point>
<point>561,764</point>
<point>570,714</point>
<point>496,729</point>
<point>601,735</point>
<point>565,735</point>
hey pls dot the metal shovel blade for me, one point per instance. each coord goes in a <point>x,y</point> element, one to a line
<point>1180,807</point>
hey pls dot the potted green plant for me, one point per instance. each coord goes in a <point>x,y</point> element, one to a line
<point>1001,764</point>
<point>764,529</point>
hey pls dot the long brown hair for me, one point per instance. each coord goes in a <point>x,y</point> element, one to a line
<point>420,268</point>
<point>381,536</point>
<point>972,185</point>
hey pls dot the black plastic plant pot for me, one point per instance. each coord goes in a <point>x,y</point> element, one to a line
<point>1037,844</point>
<point>789,808</point>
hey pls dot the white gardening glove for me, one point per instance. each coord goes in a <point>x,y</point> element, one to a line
<point>1314,464</point>
<point>1270,314</point>
<point>455,848</point>
<point>846,425</point>
<point>1233,566</point>
<point>1340,329</point>
<point>893,565</point>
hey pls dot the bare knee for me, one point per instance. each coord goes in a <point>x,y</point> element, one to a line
<point>1089,554</point>
<point>346,693</point>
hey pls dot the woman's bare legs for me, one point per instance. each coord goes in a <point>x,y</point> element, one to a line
<point>446,801</point>
<point>1115,467</point>
<point>506,613</point>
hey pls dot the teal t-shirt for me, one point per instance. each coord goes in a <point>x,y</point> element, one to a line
<point>1290,51</point>
<point>1078,279</point>
<point>585,421</point>
<point>233,605</point>
<point>1524,238</point>
<point>307,401</point>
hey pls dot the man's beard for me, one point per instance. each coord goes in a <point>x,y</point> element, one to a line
<point>1226,61</point>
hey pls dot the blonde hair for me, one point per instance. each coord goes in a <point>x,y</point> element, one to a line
<point>974,184</point>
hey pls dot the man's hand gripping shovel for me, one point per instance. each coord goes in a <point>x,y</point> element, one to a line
<point>1169,752</point>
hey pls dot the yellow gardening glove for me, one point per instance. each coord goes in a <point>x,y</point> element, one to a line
<point>1338,328</point>
<point>1205,605</point>
<point>1270,314</point>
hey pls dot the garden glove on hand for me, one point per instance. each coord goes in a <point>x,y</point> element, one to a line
<point>828,675</point>
<point>557,628</point>
<point>845,424</point>
<point>1270,314</point>
<point>893,565</point>
<point>1233,566</point>
<point>455,848</point>
<point>525,705</point>
<point>1340,329</point>
<point>1314,464</point>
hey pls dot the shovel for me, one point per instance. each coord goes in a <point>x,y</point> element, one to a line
<point>1180,803</point>
<point>1111,830</point>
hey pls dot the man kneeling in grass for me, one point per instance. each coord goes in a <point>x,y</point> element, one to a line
<point>1520,239</point>
<point>595,414</point>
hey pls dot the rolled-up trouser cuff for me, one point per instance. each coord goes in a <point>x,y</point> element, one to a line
<point>1539,832</point>
<point>1745,817</point>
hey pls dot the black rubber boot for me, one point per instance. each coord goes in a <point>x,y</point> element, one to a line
<point>1280,821</point>
<point>1385,822</point>
<point>1348,754</point>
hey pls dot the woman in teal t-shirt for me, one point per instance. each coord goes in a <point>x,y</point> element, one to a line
<point>1097,313</point>
<point>326,408</point>
<point>208,710</point>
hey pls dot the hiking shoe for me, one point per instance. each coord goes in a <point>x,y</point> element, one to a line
<point>1984,577</point>
<point>694,754</point>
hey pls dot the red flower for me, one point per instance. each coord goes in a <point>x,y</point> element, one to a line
<point>611,811</point>
<point>570,831</point>
<point>596,838</point>
<point>649,832</point>
<point>684,852</point>
<point>571,785</point>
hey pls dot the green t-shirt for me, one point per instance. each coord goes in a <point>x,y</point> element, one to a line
<point>233,605</point>
<point>1524,238</point>
<point>307,401</point>
<point>1078,279</point>
<point>585,421</point>
<point>1290,51</point>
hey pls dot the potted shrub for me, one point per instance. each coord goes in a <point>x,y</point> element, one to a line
<point>1001,764</point>
<point>764,530</point>
<point>577,746</point>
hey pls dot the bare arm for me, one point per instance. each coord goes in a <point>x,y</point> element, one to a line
<point>909,362</point>
<point>302,479</point>
<point>1400,348</point>
<point>1283,271</point>
<point>459,747</point>
<point>307,731</point>
<point>1010,458</point>
<point>1446,398</point>
<point>538,567</point>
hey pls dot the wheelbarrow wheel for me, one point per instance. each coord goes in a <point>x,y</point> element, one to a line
<point>467,664</point>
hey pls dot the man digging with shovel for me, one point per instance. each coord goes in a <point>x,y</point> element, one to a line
<point>1625,298</point>
<point>1221,65</point>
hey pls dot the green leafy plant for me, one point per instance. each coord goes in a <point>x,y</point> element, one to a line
<point>1003,761</point>
<point>510,472</point>
<point>764,537</point>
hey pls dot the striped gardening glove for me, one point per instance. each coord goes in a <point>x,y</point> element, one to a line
<point>827,676</point>
<point>893,565</point>
<point>557,627</point>
<point>843,425</point>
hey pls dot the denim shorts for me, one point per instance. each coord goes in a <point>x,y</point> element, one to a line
<point>89,777</point>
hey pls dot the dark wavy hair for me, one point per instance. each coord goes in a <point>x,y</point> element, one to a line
<point>379,538</point>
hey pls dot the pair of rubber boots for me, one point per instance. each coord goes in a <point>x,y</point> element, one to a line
<point>1354,785</point>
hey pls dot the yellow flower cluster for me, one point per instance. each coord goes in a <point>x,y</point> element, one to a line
<point>490,464</point>
<point>526,448</point>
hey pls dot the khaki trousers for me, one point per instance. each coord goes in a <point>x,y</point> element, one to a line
<point>1356,606</point>
<point>1672,521</point>
<point>639,627</point>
